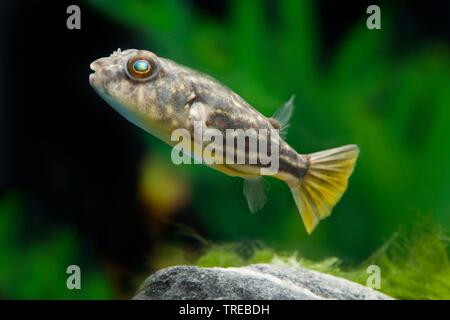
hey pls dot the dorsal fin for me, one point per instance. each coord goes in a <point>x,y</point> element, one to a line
<point>275,123</point>
<point>281,117</point>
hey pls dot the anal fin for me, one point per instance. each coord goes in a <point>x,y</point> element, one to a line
<point>255,191</point>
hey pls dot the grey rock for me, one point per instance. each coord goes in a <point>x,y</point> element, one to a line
<point>254,282</point>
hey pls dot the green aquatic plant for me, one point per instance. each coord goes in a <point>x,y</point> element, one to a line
<point>414,263</point>
<point>33,263</point>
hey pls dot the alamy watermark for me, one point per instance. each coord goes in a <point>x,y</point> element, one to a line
<point>74,279</point>
<point>257,147</point>
<point>374,20</point>
<point>74,20</point>
<point>374,280</point>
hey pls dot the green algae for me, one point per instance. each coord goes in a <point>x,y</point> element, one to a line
<point>414,264</point>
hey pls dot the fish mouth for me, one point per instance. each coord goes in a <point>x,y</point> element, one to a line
<point>93,78</point>
<point>94,68</point>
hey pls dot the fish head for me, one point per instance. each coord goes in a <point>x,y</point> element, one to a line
<point>143,88</point>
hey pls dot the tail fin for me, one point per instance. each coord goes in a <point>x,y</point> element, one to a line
<point>324,183</point>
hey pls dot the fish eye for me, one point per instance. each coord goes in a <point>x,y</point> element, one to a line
<point>141,68</point>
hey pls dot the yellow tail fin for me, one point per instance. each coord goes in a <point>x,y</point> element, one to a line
<point>324,183</point>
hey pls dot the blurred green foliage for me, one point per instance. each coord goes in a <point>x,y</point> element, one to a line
<point>34,266</point>
<point>392,101</point>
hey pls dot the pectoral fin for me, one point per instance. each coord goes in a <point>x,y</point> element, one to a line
<point>255,191</point>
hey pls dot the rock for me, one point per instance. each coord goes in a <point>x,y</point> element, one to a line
<point>259,281</point>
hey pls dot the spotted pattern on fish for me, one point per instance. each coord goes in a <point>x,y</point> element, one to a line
<point>177,96</point>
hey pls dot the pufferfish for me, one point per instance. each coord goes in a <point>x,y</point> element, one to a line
<point>161,96</point>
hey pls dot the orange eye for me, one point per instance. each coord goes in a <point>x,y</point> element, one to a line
<point>141,68</point>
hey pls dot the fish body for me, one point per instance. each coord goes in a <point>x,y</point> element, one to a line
<point>161,96</point>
